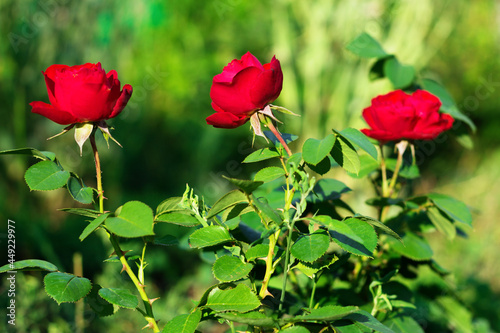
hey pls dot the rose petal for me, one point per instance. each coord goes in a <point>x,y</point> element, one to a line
<point>236,66</point>
<point>268,84</point>
<point>122,100</point>
<point>226,120</point>
<point>59,116</point>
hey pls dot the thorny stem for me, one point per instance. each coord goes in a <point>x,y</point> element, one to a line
<point>148,315</point>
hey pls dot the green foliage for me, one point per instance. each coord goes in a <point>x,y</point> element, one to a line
<point>229,269</point>
<point>133,219</point>
<point>121,297</point>
<point>29,265</point>
<point>46,176</point>
<point>240,299</point>
<point>209,236</point>
<point>185,323</point>
<point>63,287</point>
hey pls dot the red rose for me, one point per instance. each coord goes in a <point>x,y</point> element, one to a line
<point>399,116</point>
<point>83,93</point>
<point>244,87</point>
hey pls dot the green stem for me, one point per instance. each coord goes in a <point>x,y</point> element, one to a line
<point>311,300</point>
<point>269,264</point>
<point>116,246</point>
<point>383,169</point>
<point>285,267</point>
<point>401,147</point>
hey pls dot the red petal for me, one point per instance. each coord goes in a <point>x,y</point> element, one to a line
<point>226,120</point>
<point>122,101</point>
<point>268,84</point>
<point>56,115</point>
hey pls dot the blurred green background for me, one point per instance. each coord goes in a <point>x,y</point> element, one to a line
<point>169,51</point>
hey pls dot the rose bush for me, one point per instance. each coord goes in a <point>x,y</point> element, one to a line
<point>82,93</point>
<point>400,116</point>
<point>244,87</point>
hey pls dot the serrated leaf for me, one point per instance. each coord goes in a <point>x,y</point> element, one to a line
<point>82,212</point>
<point>314,151</point>
<point>345,155</point>
<point>119,296</point>
<point>441,222</point>
<point>46,176</point>
<point>327,189</point>
<point>454,208</point>
<point>247,186</point>
<point>401,76</point>
<point>185,323</point>
<point>133,219</point>
<point>168,205</point>
<point>310,269</point>
<point>227,201</point>
<point>29,265</point>
<point>327,313</point>
<point>43,155</point>
<point>253,318</point>
<point>366,46</point>
<point>209,236</point>
<point>310,247</point>
<point>239,299</point>
<point>230,268</point>
<point>183,218</point>
<point>352,235</point>
<point>365,319</point>
<point>380,225</point>
<point>257,251</point>
<point>268,174</point>
<point>100,306</point>
<point>414,247</point>
<point>261,155</point>
<point>263,206</point>
<point>63,287</point>
<point>359,139</point>
<point>93,226</point>
<point>80,192</point>
<point>403,324</point>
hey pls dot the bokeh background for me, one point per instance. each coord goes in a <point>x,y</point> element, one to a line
<point>169,51</point>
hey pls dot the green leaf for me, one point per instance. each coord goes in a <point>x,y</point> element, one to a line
<point>327,189</point>
<point>29,265</point>
<point>121,297</point>
<point>257,251</point>
<point>414,247</point>
<point>327,313</point>
<point>295,329</point>
<point>100,306</point>
<point>93,226</point>
<point>352,234</point>
<point>368,165</point>
<point>263,206</point>
<point>209,236</point>
<point>441,222</point>
<point>380,225</point>
<point>227,201</point>
<point>79,191</point>
<point>183,218</point>
<point>230,268</point>
<point>345,155</point>
<point>359,139</point>
<point>46,176</point>
<point>454,208</point>
<point>239,299</point>
<point>403,324</point>
<point>310,247</point>
<point>285,136</point>
<point>167,240</point>
<point>63,287</point>
<point>247,186</point>
<point>253,318</point>
<point>448,104</point>
<point>310,269</point>
<point>322,167</point>
<point>82,212</point>
<point>367,320</point>
<point>184,323</point>
<point>401,76</point>
<point>261,155</point>
<point>268,174</point>
<point>314,151</point>
<point>133,219</point>
<point>43,155</point>
<point>169,205</point>
<point>366,46</point>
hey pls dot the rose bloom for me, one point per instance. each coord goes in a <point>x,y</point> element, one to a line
<point>82,93</point>
<point>244,87</point>
<point>398,116</point>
